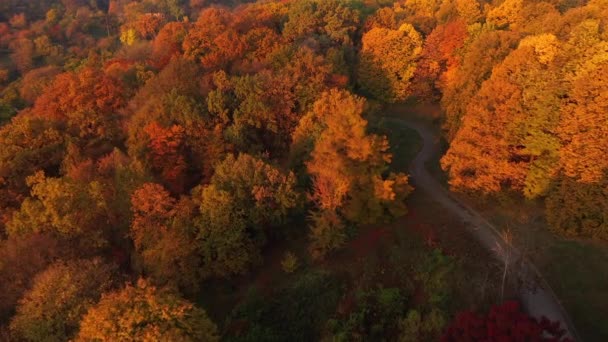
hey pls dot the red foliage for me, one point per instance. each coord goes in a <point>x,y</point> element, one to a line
<point>87,91</point>
<point>166,147</point>
<point>504,323</point>
<point>168,43</point>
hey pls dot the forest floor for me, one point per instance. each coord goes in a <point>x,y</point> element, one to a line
<point>575,269</point>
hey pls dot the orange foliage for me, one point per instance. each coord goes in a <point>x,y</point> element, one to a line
<point>584,128</point>
<point>148,24</point>
<point>89,90</point>
<point>168,43</point>
<point>212,40</point>
<point>439,59</point>
<point>167,153</point>
<point>152,208</point>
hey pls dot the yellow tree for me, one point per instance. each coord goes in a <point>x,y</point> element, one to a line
<point>388,62</point>
<point>584,127</point>
<point>482,52</point>
<point>508,135</point>
<point>68,209</point>
<point>507,14</point>
<point>145,313</point>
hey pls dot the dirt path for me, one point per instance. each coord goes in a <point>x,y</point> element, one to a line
<point>539,301</point>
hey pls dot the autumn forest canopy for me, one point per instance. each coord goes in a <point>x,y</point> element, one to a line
<point>153,151</point>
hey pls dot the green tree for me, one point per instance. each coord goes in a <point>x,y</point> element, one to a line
<point>66,208</point>
<point>223,243</point>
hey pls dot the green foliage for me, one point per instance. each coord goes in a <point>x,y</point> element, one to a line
<point>294,312</point>
<point>329,21</point>
<point>222,240</point>
<point>65,208</point>
<point>375,317</point>
<point>415,327</point>
<point>265,195</point>
<point>289,262</point>
<point>434,275</point>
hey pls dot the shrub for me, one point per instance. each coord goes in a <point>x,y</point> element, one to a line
<point>289,262</point>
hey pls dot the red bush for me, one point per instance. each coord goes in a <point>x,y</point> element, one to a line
<point>504,323</point>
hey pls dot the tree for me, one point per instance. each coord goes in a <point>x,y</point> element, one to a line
<point>439,60</point>
<point>35,82</point>
<point>51,310</point>
<point>482,52</point>
<point>576,208</point>
<point>507,14</point>
<point>145,313</point>
<point>422,8</point>
<point>66,209</point>
<point>577,205</point>
<point>212,41</point>
<point>147,25</point>
<point>347,165</point>
<point>468,10</point>
<point>23,54</point>
<point>222,238</point>
<point>583,128</point>
<point>168,43</point>
<point>89,91</point>
<point>507,140</point>
<point>327,20</point>
<point>162,235</point>
<point>263,193</point>
<point>28,144</point>
<point>388,61</point>
<point>167,154</point>
<point>21,258</point>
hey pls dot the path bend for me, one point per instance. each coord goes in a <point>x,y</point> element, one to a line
<point>540,301</point>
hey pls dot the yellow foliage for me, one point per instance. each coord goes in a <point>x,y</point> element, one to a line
<point>507,14</point>
<point>128,36</point>
<point>388,61</point>
<point>145,313</point>
<point>468,10</point>
<point>545,45</point>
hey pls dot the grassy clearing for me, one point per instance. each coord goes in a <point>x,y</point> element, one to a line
<point>405,144</point>
<point>577,270</point>
<point>579,275</point>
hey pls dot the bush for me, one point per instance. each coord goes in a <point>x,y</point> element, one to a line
<point>289,262</point>
<point>295,312</point>
<point>503,323</point>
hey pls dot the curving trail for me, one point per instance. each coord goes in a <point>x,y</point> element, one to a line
<point>539,299</point>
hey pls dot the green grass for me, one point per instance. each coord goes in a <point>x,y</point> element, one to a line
<point>578,273</point>
<point>404,144</point>
<point>577,270</point>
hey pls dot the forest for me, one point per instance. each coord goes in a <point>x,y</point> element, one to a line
<point>206,170</point>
